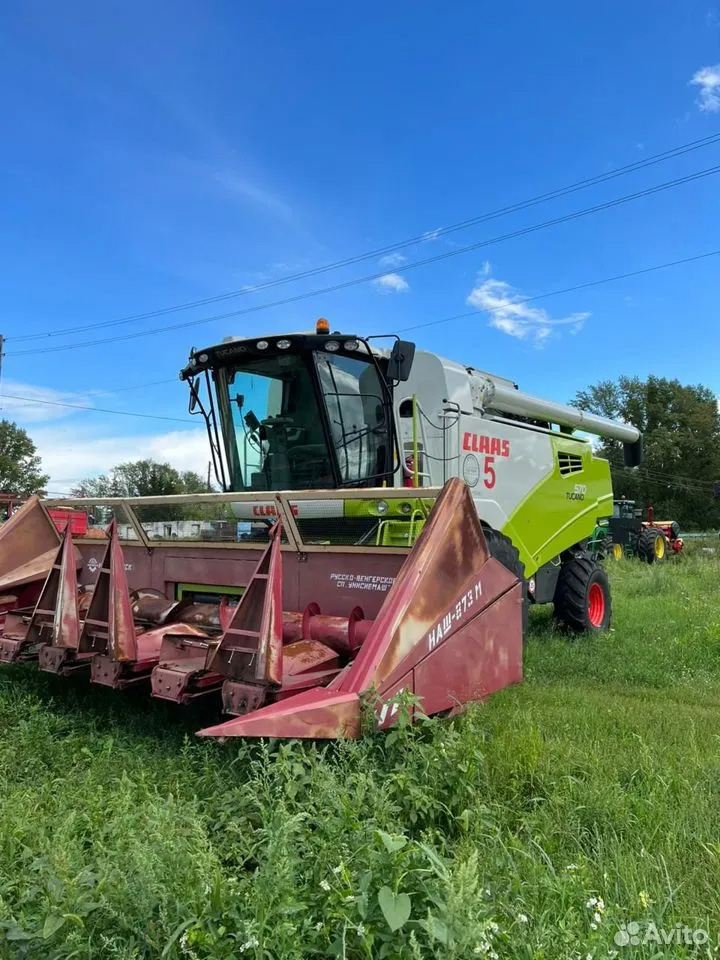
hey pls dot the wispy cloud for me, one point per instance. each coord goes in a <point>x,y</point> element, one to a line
<point>392,283</point>
<point>392,260</point>
<point>70,457</point>
<point>708,80</point>
<point>509,313</point>
<point>41,410</point>
<point>432,234</point>
<point>274,271</point>
<point>247,190</point>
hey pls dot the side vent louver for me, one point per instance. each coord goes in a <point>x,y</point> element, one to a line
<point>569,463</point>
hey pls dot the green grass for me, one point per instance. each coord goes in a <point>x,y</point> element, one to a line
<point>121,836</point>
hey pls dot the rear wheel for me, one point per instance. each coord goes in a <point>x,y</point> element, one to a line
<point>582,595</point>
<point>652,545</point>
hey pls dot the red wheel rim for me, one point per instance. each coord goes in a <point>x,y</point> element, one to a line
<point>596,605</point>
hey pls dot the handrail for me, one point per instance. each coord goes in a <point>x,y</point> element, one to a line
<point>258,496</point>
<point>282,500</point>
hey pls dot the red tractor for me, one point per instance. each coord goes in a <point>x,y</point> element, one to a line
<point>650,540</point>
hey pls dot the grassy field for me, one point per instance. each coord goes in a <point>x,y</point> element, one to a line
<point>532,827</point>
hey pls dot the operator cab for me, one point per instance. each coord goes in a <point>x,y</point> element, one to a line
<point>626,510</point>
<point>299,411</point>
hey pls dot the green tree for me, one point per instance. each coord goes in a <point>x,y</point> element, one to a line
<point>20,466</point>
<point>681,440</point>
<point>146,478</point>
<point>141,478</point>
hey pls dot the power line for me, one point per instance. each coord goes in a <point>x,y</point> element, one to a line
<point>77,406</point>
<point>672,153</point>
<point>579,286</point>
<point>141,386</point>
<point>658,477</point>
<point>576,215</point>
<point>458,316</point>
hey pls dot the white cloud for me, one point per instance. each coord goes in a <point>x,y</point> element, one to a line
<point>432,234</point>
<point>509,313</point>
<point>392,283</point>
<point>25,411</point>
<point>708,80</point>
<point>392,260</point>
<point>70,455</point>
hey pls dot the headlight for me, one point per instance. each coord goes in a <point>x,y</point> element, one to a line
<point>283,344</point>
<point>381,507</point>
<point>332,346</point>
<point>405,508</point>
<point>261,345</point>
<point>203,358</point>
<point>351,345</point>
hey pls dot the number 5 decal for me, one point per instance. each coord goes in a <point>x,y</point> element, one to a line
<point>489,473</point>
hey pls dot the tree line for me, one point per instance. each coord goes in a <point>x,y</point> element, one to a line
<point>681,444</point>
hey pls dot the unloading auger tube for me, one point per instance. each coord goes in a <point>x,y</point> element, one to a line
<point>496,396</point>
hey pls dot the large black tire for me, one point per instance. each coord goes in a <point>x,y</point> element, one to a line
<point>503,549</point>
<point>651,545</point>
<point>582,595</point>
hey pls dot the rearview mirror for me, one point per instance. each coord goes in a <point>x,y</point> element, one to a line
<point>401,360</point>
<point>194,399</point>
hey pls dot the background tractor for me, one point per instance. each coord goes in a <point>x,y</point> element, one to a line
<point>625,533</point>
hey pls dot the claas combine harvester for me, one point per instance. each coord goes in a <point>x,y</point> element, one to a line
<point>386,518</point>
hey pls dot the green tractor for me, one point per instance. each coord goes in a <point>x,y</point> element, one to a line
<point>625,533</point>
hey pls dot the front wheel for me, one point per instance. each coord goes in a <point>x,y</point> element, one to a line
<point>582,595</point>
<point>504,550</point>
<point>652,545</point>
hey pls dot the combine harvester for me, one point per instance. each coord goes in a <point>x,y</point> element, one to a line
<point>387,518</point>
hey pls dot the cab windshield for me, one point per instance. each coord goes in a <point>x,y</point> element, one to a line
<point>293,421</point>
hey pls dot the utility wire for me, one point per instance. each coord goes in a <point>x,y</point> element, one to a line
<point>576,215</point>
<point>77,406</point>
<point>653,476</point>
<point>662,474</point>
<point>652,472</point>
<point>141,386</point>
<point>674,152</point>
<point>474,313</point>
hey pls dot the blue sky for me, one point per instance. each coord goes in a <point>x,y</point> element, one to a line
<point>162,152</point>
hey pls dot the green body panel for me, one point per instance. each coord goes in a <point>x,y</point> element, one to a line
<point>190,589</point>
<point>558,513</point>
<point>396,508</point>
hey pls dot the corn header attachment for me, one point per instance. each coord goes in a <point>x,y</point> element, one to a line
<point>290,622</point>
